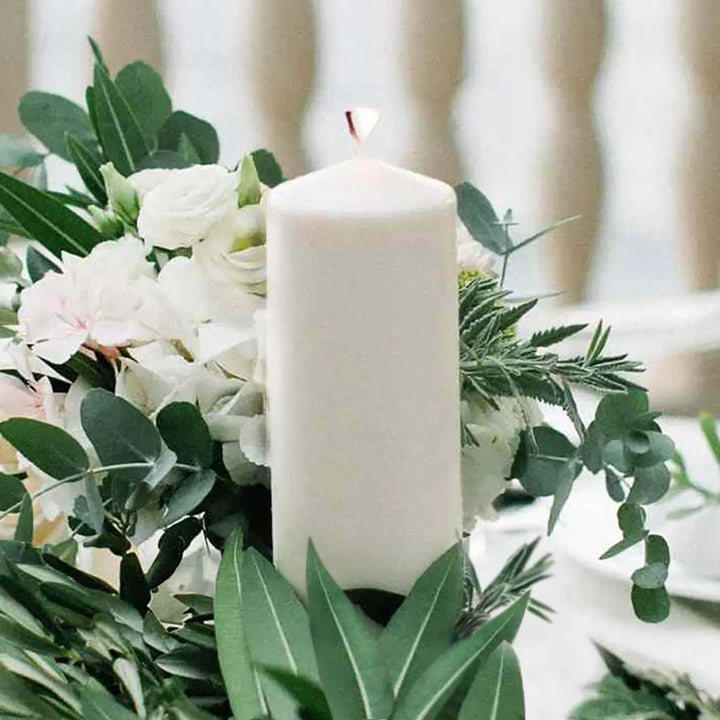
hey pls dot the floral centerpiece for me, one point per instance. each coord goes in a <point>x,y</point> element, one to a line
<point>133,417</point>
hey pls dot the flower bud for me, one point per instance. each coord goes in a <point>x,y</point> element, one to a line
<point>249,189</point>
<point>121,194</point>
<point>107,222</point>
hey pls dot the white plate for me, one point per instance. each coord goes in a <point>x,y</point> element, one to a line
<point>586,530</point>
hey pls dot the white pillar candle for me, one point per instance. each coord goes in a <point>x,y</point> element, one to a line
<point>363,373</point>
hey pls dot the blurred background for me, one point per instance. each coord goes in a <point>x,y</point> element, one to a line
<point>551,107</point>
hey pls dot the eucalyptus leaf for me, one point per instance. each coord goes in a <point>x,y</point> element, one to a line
<point>422,629</point>
<point>650,484</point>
<point>17,152</point>
<point>185,432</point>
<point>657,550</point>
<point>351,668</point>
<point>268,169</point>
<point>134,588</point>
<point>48,447</point>
<point>651,577</point>
<point>546,462</point>
<point>12,491</point>
<point>46,219</point>
<point>50,117</point>
<point>199,133</point>
<point>145,93</point>
<point>497,691</point>
<point>479,218</point>
<point>89,506</point>
<point>119,432</point>
<point>171,547</point>
<point>651,605</point>
<point>190,492</point>
<point>233,652</point>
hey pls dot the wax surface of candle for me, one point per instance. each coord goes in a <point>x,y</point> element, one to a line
<point>363,373</point>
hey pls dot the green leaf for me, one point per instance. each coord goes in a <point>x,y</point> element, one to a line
<point>651,606</point>
<point>351,668</point>
<point>661,449</point>
<point>89,506</point>
<point>88,165</point>
<point>171,547</point>
<point>50,117</point>
<point>547,461</point>
<point>200,134</point>
<point>25,522</point>
<point>163,159</point>
<point>268,169</point>
<point>17,152</point>
<point>12,491</point>
<point>230,634</point>
<point>479,218</point>
<point>497,691</point>
<point>651,577</point>
<point>46,219</point>
<point>656,550</point>
<point>17,699</point>
<point>16,635</point>
<point>616,414</point>
<point>422,629</point>
<point>38,264</point>
<point>49,448</point>
<point>120,135</point>
<point>708,424</point>
<point>631,519</point>
<point>134,588</point>
<point>546,338</point>
<point>567,476</point>
<point>650,484</point>
<point>276,628</point>
<point>143,89</point>
<point>249,192</point>
<point>119,432</point>
<point>433,688</point>
<point>191,491</point>
<point>98,705</point>
<point>185,432</point>
<point>307,693</point>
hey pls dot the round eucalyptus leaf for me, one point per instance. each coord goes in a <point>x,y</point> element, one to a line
<point>614,454</point>
<point>650,484</point>
<point>651,576</point>
<point>651,606</point>
<point>661,449</point>
<point>546,461</point>
<point>637,441</point>
<point>656,550</point>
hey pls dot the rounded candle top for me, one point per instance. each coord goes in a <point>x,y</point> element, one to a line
<point>360,187</point>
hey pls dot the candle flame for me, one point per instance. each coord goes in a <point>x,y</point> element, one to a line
<point>361,122</point>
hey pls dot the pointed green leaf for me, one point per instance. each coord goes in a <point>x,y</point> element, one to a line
<point>351,668</point>
<point>38,264</point>
<point>50,117</point>
<point>46,219</point>
<point>88,165</point>
<point>134,588</point>
<point>497,691</point>
<point>422,629</point>
<point>12,491</point>
<point>434,687</point>
<point>48,447</point>
<point>120,134</point>
<point>277,629</point>
<point>98,705</point>
<point>307,693</point>
<point>119,432</point>
<point>25,522</point>
<point>230,634</point>
<point>147,97</point>
<point>478,216</point>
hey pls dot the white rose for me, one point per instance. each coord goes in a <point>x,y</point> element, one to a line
<point>147,180</point>
<point>186,204</point>
<point>486,465</point>
<point>233,252</point>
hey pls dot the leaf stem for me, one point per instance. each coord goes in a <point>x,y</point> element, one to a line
<point>92,471</point>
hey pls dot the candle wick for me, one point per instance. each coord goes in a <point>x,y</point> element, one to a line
<point>351,125</point>
<point>361,121</point>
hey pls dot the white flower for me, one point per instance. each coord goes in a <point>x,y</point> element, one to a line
<point>108,299</point>
<point>486,465</point>
<point>147,180</point>
<point>233,252</point>
<point>472,257</point>
<point>185,205</point>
